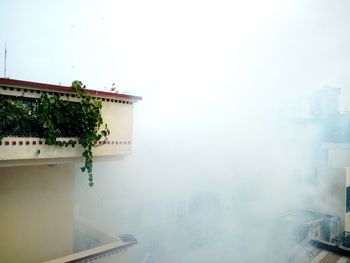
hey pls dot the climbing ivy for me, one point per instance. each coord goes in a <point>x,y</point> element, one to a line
<point>90,123</point>
<point>50,117</point>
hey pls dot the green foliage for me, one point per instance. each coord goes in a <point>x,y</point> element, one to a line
<point>90,123</point>
<point>51,117</point>
<point>15,116</point>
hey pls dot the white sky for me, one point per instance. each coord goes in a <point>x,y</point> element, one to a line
<point>181,52</point>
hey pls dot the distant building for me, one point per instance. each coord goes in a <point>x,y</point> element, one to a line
<point>324,102</point>
<point>330,159</point>
<point>303,225</point>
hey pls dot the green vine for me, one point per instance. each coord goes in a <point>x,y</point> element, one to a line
<point>91,121</point>
<point>52,117</point>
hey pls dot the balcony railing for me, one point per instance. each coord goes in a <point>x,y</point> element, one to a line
<point>113,252</point>
<point>22,144</point>
<point>104,248</point>
<point>342,239</point>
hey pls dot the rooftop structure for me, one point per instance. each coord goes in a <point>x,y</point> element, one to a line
<point>21,149</point>
<point>37,218</point>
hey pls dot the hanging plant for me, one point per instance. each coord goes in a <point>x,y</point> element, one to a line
<point>90,122</point>
<point>50,117</point>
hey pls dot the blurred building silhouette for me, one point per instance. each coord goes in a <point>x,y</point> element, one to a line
<point>171,226</point>
<point>327,170</point>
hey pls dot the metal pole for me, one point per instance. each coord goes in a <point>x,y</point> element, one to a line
<point>5,61</point>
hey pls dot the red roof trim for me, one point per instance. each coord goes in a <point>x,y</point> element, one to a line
<point>29,84</point>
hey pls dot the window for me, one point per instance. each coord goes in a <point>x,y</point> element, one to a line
<point>347,199</point>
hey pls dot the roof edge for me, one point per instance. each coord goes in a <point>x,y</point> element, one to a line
<point>30,84</point>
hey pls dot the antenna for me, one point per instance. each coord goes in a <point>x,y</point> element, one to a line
<point>5,57</point>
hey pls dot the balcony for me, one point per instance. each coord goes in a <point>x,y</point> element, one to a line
<point>28,148</point>
<point>94,245</point>
<point>342,239</point>
<point>338,154</point>
<point>113,252</point>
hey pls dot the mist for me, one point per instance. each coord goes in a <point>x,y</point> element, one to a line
<point>217,159</point>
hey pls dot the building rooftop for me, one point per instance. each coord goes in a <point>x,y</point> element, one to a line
<point>58,88</point>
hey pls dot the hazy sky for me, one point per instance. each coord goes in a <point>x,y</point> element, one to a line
<point>179,48</point>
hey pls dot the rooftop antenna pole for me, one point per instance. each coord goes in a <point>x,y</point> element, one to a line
<point>5,58</point>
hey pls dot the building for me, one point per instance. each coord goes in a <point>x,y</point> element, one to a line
<point>326,137</point>
<point>324,235</point>
<point>302,224</point>
<point>37,184</point>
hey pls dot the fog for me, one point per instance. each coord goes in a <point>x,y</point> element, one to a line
<point>217,159</point>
